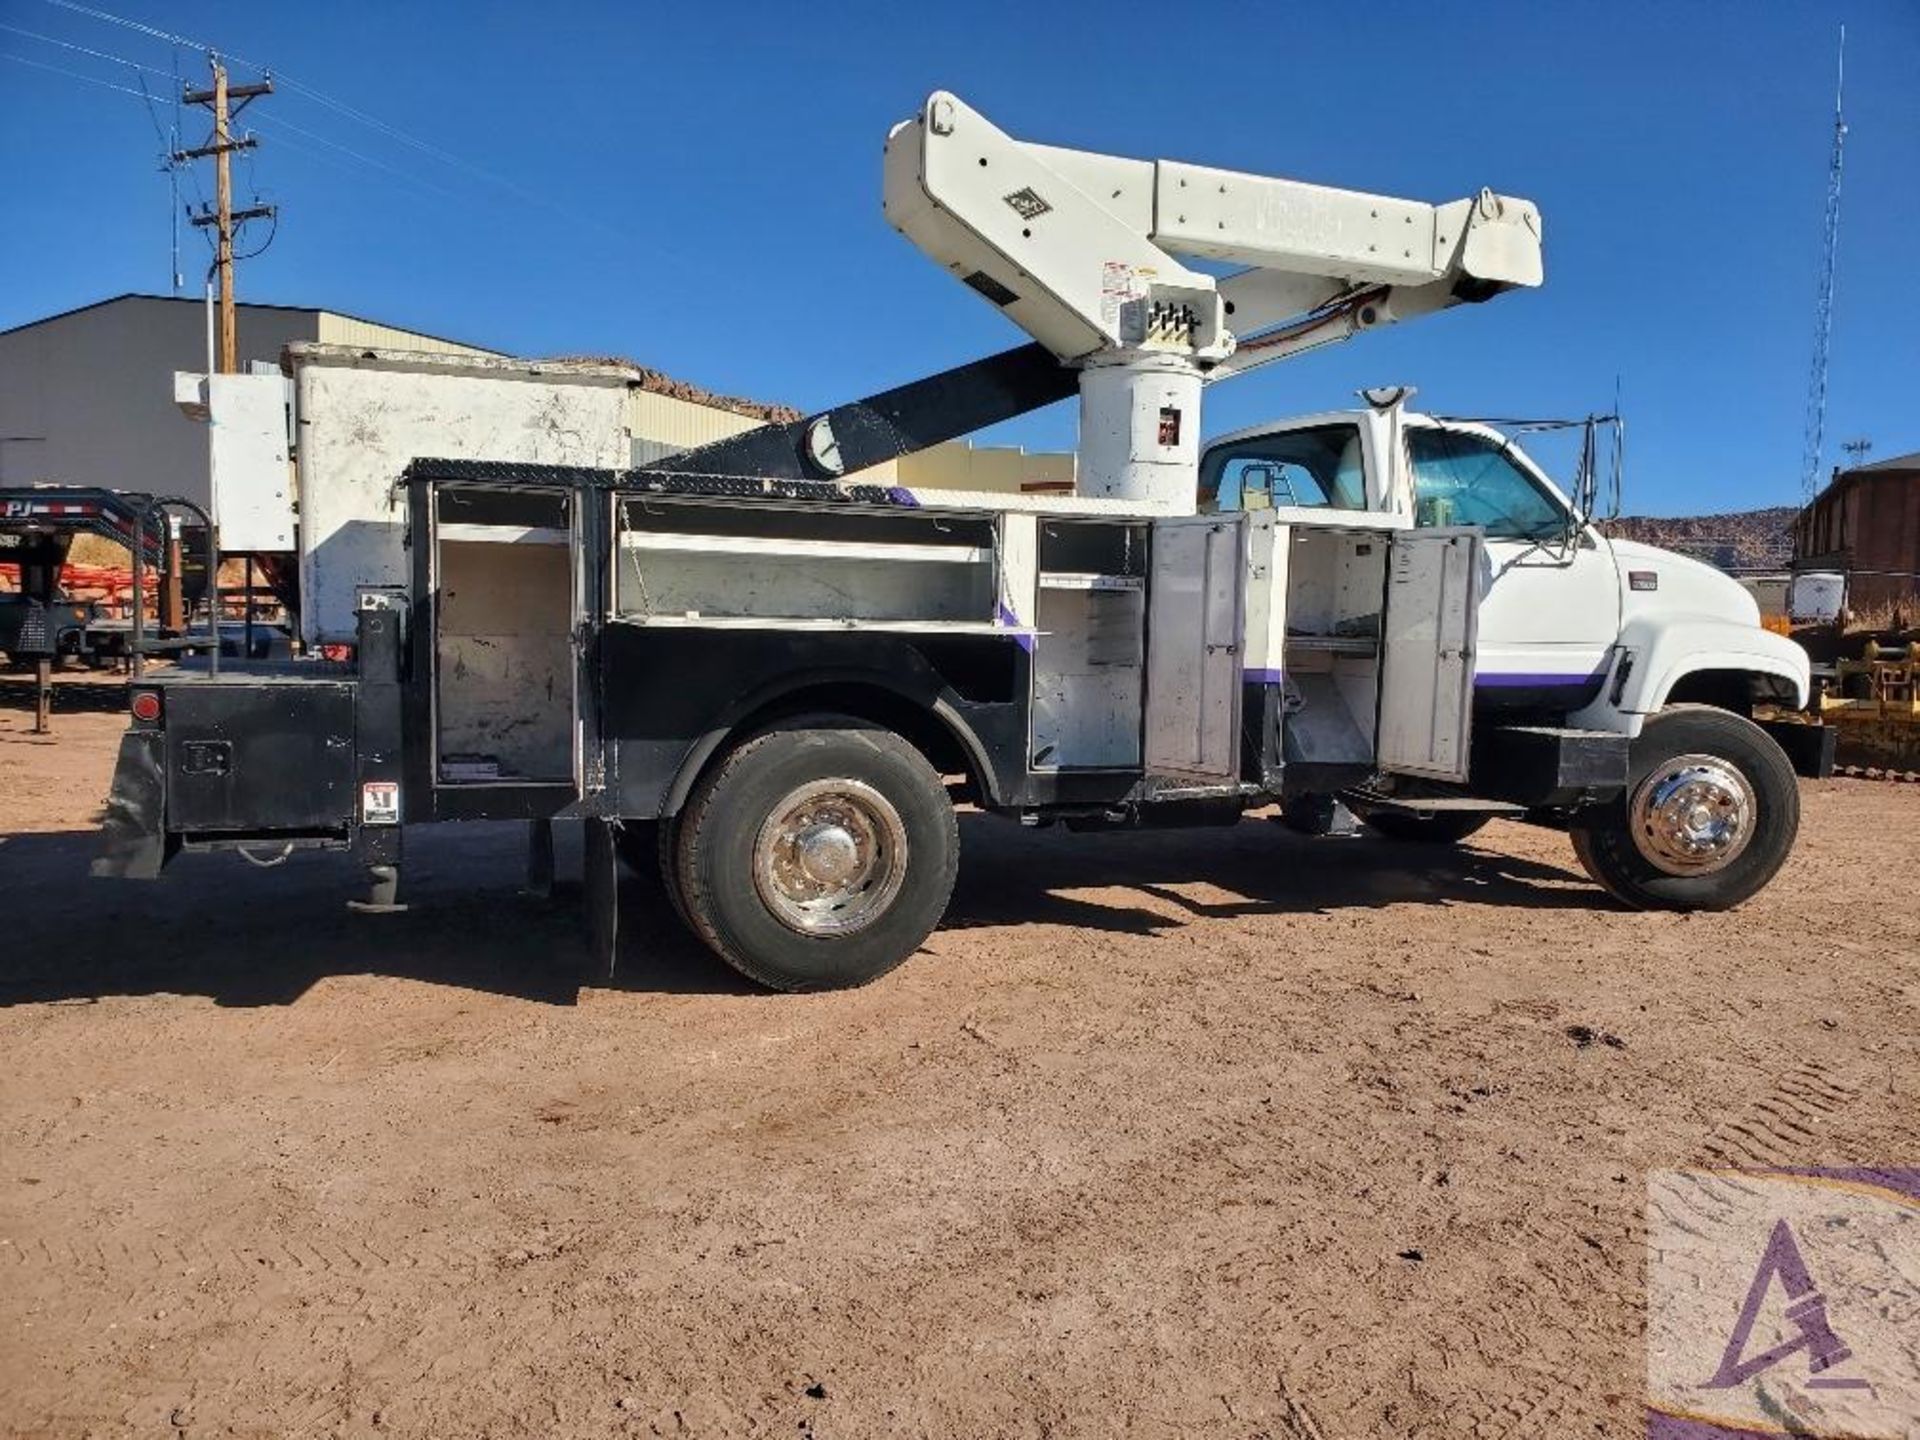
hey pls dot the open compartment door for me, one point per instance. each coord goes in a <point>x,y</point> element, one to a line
<point>1426,670</point>
<point>506,597</point>
<point>1194,593</point>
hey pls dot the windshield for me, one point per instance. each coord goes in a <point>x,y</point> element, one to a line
<point>1466,479</point>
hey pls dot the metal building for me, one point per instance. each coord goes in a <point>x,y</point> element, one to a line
<point>1866,524</point>
<point>87,398</point>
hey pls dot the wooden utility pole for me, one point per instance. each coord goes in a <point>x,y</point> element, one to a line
<point>226,101</point>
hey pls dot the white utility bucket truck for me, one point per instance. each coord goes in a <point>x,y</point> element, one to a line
<point>745,666</point>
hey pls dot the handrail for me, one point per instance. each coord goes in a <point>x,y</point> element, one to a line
<point>138,638</point>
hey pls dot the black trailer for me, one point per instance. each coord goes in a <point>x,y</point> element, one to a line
<point>38,524</point>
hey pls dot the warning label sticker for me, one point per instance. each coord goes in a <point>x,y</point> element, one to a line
<point>380,802</point>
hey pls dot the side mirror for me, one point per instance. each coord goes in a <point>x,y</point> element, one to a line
<point>1586,490</point>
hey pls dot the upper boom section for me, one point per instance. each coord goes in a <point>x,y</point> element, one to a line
<point>1078,248</point>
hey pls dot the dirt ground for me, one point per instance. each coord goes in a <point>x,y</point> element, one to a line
<point>1223,1133</point>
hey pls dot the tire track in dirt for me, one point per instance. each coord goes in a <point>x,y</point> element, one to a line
<point>1778,1128</point>
<point>1579,1299</point>
<point>359,1325</point>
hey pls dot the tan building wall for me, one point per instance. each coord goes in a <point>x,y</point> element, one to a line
<point>681,424</point>
<point>999,469</point>
<point>337,329</point>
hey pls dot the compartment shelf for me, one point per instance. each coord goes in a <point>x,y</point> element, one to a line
<point>1080,580</point>
<point>804,622</point>
<point>803,549</point>
<point>1335,644</point>
<point>468,533</point>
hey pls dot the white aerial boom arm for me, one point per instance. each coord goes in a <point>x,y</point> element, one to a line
<point>1078,248</point>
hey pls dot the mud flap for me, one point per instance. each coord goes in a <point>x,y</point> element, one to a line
<point>603,896</point>
<point>133,836</point>
<point>1810,748</point>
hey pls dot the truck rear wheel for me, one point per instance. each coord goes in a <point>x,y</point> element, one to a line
<point>817,855</point>
<point>1710,811</point>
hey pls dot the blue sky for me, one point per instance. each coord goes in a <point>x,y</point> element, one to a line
<point>697,186</point>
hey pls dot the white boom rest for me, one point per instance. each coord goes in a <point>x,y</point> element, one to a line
<point>1078,249</point>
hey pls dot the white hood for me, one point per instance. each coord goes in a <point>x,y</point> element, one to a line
<point>1684,586</point>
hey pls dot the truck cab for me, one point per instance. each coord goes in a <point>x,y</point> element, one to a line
<point>1572,625</point>
<point>1613,683</point>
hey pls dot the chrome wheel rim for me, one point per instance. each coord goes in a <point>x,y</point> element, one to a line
<point>1693,815</point>
<point>831,857</point>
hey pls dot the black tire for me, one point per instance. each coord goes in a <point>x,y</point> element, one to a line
<point>1309,814</point>
<point>666,863</point>
<point>1622,852</point>
<point>719,856</point>
<point>1436,827</point>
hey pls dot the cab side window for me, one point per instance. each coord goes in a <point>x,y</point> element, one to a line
<point>1465,479</point>
<point>1319,468</point>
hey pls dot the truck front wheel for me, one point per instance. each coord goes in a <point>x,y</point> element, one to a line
<point>1710,811</point>
<point>817,855</point>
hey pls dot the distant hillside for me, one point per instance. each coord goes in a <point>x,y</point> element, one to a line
<point>1742,540</point>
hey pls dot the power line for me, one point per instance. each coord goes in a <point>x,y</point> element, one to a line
<point>71,74</point>
<point>273,231</point>
<point>290,82</point>
<point>81,49</point>
<point>157,34</point>
<point>383,128</point>
<point>351,112</point>
<point>169,144</point>
<point>279,124</point>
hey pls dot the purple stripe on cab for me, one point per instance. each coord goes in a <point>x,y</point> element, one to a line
<point>1515,680</point>
<point>1536,680</point>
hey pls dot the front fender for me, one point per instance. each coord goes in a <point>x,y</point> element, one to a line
<point>1656,653</point>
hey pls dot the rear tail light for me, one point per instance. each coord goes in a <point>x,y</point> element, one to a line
<point>145,706</point>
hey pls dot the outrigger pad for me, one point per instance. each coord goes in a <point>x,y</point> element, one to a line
<point>603,896</point>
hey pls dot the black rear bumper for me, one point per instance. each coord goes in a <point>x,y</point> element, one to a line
<point>236,758</point>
